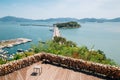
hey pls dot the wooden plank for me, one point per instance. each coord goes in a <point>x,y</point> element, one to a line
<point>49,72</point>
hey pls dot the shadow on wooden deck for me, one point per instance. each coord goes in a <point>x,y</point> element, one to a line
<point>83,71</point>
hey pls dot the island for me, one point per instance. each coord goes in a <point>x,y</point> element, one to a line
<point>70,24</point>
<point>13,42</point>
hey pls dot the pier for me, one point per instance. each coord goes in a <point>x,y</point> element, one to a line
<point>56,31</point>
<point>13,42</point>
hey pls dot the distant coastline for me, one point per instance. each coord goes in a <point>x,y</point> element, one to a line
<point>17,19</point>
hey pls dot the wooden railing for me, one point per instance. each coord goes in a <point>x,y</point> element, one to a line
<point>77,64</point>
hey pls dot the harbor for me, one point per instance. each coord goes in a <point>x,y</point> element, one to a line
<point>13,42</point>
<point>9,44</point>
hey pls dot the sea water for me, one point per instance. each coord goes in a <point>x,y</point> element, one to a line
<point>103,36</point>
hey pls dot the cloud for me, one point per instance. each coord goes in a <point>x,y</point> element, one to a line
<point>61,8</point>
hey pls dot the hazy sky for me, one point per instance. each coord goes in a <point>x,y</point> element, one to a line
<point>42,9</point>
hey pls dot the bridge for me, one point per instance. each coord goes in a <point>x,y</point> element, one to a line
<point>56,31</point>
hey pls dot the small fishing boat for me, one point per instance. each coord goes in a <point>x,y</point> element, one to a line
<point>51,29</point>
<point>20,50</point>
<point>3,51</point>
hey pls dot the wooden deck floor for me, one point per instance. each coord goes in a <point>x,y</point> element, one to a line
<point>49,72</point>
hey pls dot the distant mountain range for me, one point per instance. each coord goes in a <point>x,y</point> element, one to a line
<point>16,19</point>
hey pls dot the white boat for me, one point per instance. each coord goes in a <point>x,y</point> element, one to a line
<point>3,56</point>
<point>9,46</point>
<point>3,52</point>
<point>51,29</point>
<point>20,50</point>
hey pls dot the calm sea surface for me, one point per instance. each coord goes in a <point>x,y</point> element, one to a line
<point>103,36</point>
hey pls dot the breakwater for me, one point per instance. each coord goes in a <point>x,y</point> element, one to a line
<point>13,42</point>
<point>56,32</point>
<point>76,64</point>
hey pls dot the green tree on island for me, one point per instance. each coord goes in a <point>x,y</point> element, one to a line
<point>71,24</point>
